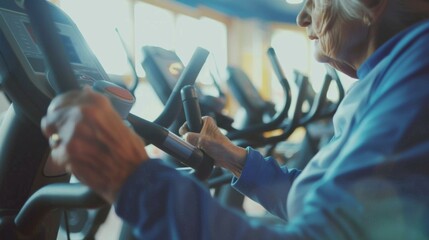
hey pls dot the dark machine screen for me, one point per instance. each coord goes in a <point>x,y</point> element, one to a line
<point>68,45</point>
<point>70,50</point>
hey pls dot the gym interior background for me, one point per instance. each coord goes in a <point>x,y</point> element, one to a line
<point>233,39</point>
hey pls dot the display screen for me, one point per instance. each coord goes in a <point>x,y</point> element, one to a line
<point>70,50</point>
<point>67,43</point>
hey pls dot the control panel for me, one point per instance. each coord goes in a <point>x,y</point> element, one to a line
<point>17,31</point>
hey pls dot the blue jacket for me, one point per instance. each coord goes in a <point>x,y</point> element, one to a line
<point>370,182</point>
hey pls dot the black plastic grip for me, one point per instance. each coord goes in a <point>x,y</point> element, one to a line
<point>191,107</point>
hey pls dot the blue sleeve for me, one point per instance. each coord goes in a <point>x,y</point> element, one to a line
<point>161,203</point>
<point>265,182</point>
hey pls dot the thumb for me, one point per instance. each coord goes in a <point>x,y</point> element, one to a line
<point>192,138</point>
<point>183,129</point>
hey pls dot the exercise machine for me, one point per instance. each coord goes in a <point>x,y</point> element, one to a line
<point>43,54</point>
<point>163,68</point>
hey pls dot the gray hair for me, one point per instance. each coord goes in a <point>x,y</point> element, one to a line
<point>399,15</point>
<point>347,10</point>
<point>405,15</point>
<point>350,9</point>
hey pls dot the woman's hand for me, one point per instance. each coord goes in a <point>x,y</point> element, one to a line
<point>91,141</point>
<point>217,146</point>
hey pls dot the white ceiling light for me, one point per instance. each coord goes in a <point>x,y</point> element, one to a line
<point>294,1</point>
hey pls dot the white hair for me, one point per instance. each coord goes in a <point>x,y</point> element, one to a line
<point>404,12</point>
<point>350,9</point>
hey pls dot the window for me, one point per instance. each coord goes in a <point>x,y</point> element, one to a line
<point>156,26</point>
<point>295,52</point>
<point>98,28</point>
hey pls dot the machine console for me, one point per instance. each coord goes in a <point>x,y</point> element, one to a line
<point>17,31</point>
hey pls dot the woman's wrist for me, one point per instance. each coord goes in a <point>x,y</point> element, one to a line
<point>238,161</point>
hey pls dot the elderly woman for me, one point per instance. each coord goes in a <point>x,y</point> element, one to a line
<point>370,182</point>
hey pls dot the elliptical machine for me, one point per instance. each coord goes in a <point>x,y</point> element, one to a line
<point>37,62</point>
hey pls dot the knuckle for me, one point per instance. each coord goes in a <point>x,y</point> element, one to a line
<point>210,121</point>
<point>87,112</point>
<point>191,138</point>
<point>203,142</point>
<point>71,148</point>
<point>79,128</point>
<point>100,99</point>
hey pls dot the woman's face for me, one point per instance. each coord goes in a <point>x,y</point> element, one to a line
<point>337,40</point>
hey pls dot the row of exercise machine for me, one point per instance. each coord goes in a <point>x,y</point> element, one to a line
<point>42,53</point>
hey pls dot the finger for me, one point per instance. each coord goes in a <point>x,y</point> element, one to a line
<point>98,111</point>
<point>47,128</point>
<point>208,119</point>
<point>59,157</point>
<point>66,106</point>
<point>107,122</point>
<point>85,96</point>
<point>63,100</point>
<point>54,121</point>
<point>183,129</point>
<point>80,148</point>
<point>51,122</point>
<point>208,122</point>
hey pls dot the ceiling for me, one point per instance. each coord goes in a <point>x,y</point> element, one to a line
<point>267,10</point>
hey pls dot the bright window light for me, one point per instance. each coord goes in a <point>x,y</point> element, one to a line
<point>204,32</point>
<point>154,26</point>
<point>99,29</point>
<point>160,27</point>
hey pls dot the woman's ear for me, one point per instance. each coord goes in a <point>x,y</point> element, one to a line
<point>376,8</point>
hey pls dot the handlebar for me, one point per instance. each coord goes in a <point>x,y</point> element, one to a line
<point>293,122</point>
<point>51,197</point>
<point>341,92</point>
<point>319,108</point>
<point>173,106</point>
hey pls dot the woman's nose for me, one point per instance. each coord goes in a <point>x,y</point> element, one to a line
<point>304,19</point>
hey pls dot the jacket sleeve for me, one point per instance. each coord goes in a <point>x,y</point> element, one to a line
<point>265,182</point>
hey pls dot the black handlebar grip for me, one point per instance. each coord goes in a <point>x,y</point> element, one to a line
<point>191,107</point>
<point>192,111</point>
